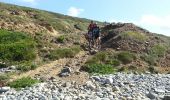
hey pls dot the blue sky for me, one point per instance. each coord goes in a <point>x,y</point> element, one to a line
<point>153,15</point>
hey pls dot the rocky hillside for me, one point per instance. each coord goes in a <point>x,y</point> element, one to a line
<point>33,21</point>
<point>150,47</point>
<point>43,31</point>
<point>50,50</point>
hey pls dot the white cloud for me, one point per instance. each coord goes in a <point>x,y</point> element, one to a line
<point>32,2</point>
<point>153,23</point>
<point>160,21</point>
<point>158,24</point>
<point>73,11</point>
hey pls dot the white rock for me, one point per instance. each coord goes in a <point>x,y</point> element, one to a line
<point>116,88</point>
<point>109,81</point>
<point>90,85</point>
<point>4,89</point>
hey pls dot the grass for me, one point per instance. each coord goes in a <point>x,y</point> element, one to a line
<point>15,46</point>
<point>4,78</point>
<point>114,59</point>
<point>113,62</point>
<point>61,39</point>
<point>99,58</point>
<point>64,53</point>
<point>158,50</point>
<point>26,66</point>
<point>2,65</point>
<point>152,69</point>
<point>126,57</point>
<point>23,82</point>
<point>154,54</point>
<point>100,69</point>
<point>134,35</point>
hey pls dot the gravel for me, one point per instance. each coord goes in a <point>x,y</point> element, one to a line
<point>119,86</point>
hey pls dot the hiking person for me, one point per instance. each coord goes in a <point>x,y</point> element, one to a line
<point>93,35</point>
<point>90,34</point>
<point>90,28</point>
<point>96,34</point>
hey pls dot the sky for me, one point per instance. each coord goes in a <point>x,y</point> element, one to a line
<point>153,15</point>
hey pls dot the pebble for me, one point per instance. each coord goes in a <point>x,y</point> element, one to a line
<point>119,86</point>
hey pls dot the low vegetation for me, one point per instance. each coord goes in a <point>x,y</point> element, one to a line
<point>2,65</point>
<point>154,54</point>
<point>26,66</point>
<point>16,46</point>
<point>108,61</point>
<point>3,78</point>
<point>61,39</point>
<point>64,52</point>
<point>100,69</point>
<point>134,35</point>
<point>23,82</point>
<point>126,57</point>
<point>99,58</point>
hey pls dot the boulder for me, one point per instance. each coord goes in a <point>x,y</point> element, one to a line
<point>4,89</point>
<point>166,97</point>
<point>90,85</point>
<point>12,67</point>
<point>152,95</point>
<point>109,81</point>
<point>65,72</point>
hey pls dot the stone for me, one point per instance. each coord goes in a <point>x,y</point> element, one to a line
<point>159,90</point>
<point>67,84</point>
<point>66,71</point>
<point>116,88</point>
<point>13,67</point>
<point>90,85</point>
<point>166,97</point>
<point>152,95</point>
<point>109,81</point>
<point>96,78</point>
<point>4,89</point>
<point>67,98</point>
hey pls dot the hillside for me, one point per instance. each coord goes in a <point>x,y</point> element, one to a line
<point>50,49</point>
<point>46,30</point>
<point>32,37</point>
<point>150,47</point>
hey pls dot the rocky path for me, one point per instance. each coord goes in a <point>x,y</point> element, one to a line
<point>52,69</point>
<point>119,86</point>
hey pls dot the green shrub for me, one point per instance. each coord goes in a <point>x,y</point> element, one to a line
<point>3,65</point>
<point>100,57</point>
<point>122,69</point>
<point>64,52</point>
<point>23,82</point>
<point>113,62</point>
<point>26,66</point>
<point>132,67</point>
<point>134,35</point>
<point>3,78</point>
<point>126,57</point>
<point>154,54</point>
<point>158,50</point>
<point>151,59</point>
<point>152,69</point>
<point>16,46</point>
<point>100,69</point>
<point>80,26</point>
<point>61,39</point>
<point>33,66</point>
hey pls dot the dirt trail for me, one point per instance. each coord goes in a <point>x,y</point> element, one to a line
<point>53,69</point>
